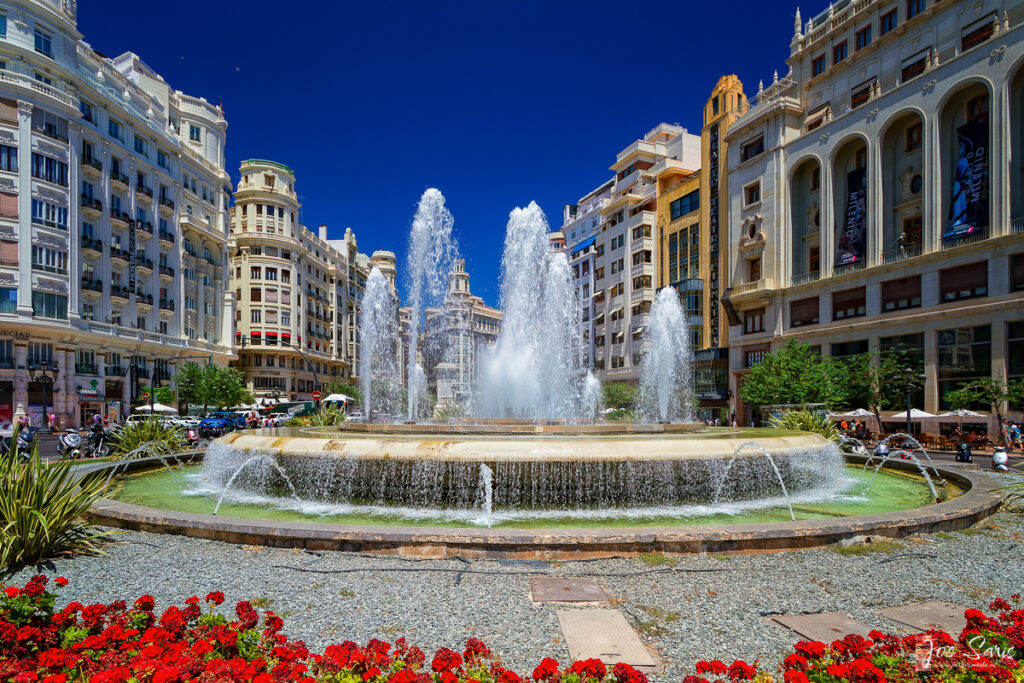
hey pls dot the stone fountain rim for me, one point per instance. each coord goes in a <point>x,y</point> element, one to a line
<point>980,499</point>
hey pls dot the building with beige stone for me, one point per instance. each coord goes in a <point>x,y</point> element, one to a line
<point>876,197</point>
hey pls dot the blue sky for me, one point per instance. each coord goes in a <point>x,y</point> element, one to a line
<point>496,104</point>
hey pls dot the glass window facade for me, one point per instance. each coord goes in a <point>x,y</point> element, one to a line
<point>965,354</point>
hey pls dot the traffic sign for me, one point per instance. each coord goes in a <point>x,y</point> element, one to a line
<point>316,395</point>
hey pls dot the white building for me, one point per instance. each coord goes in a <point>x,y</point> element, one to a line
<point>877,197</point>
<point>103,293</point>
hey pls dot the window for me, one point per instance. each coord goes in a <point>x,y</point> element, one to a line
<point>255,294</point>
<point>44,43</point>
<point>8,158</point>
<point>1017,272</point>
<point>977,33</point>
<point>271,273</point>
<point>193,133</point>
<point>40,353</point>
<point>914,7</point>
<point>8,253</point>
<point>752,194</point>
<point>753,321</point>
<point>3,25</point>
<point>286,316</point>
<point>818,65</point>
<point>46,305</point>
<point>912,228</point>
<point>860,158</point>
<point>161,161</point>
<point>49,124</point>
<point>965,354</point>
<point>755,269</point>
<point>752,149</point>
<point>686,204</point>
<point>914,66</point>
<point>964,282</point>
<point>901,293</point>
<point>190,303</point>
<point>863,38</point>
<point>255,273</point>
<point>839,52</point>
<point>50,215</point>
<point>861,94</point>
<point>50,170</point>
<point>208,308</point>
<point>887,23</point>
<point>752,358</point>
<point>851,348</point>
<point>256,316</point>
<point>141,146</point>
<point>115,130</point>
<point>977,107</point>
<point>8,300</point>
<point>914,134</point>
<point>849,303</point>
<point>803,312</point>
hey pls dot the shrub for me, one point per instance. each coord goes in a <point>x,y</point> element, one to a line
<point>42,509</point>
<point>806,421</point>
<point>326,416</point>
<point>151,435</point>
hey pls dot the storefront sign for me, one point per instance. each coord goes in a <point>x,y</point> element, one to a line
<point>15,334</point>
<point>853,240</point>
<point>968,207</point>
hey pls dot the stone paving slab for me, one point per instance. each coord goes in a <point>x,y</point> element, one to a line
<point>557,589</point>
<point>606,635</point>
<point>944,616</point>
<point>824,627</point>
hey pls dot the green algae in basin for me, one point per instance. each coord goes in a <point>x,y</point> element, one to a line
<point>890,492</point>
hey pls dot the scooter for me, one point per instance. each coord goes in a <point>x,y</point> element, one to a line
<point>96,446</point>
<point>1000,460</point>
<point>69,445</point>
<point>192,436</point>
<point>25,436</point>
<point>963,452</point>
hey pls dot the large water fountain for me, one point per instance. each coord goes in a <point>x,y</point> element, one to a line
<point>533,450</point>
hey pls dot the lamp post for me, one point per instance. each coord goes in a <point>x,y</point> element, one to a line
<point>47,380</point>
<point>912,378</point>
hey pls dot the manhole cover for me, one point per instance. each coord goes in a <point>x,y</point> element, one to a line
<point>944,616</point>
<point>552,589</point>
<point>824,627</point>
<point>604,634</point>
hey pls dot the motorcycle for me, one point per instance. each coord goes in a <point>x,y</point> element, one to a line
<point>25,436</point>
<point>96,446</point>
<point>69,445</point>
<point>192,435</point>
<point>963,452</point>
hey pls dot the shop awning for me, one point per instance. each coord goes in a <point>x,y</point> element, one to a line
<point>817,117</point>
<point>584,244</point>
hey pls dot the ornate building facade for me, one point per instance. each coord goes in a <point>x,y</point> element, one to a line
<point>102,295</point>
<point>877,197</point>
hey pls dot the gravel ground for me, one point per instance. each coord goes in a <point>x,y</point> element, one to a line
<point>684,615</point>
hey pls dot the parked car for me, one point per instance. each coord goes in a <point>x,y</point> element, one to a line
<point>280,418</point>
<point>217,424</point>
<point>356,416</point>
<point>136,418</point>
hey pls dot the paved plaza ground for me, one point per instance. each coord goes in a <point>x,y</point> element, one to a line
<point>685,608</point>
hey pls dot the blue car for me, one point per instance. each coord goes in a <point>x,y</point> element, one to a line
<point>218,424</point>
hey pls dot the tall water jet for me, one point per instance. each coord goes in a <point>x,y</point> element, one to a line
<point>432,250</point>
<point>378,335</point>
<point>591,397</point>
<point>666,378</point>
<point>529,372</point>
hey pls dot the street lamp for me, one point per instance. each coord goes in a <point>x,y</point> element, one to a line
<point>46,380</point>
<point>912,378</point>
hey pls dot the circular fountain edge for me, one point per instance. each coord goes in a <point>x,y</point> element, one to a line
<point>981,498</point>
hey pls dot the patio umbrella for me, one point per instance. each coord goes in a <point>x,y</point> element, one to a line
<point>157,408</point>
<point>915,414</point>
<point>961,413</point>
<point>859,412</point>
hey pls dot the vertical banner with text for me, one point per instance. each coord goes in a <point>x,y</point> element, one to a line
<point>852,243</point>
<point>968,206</point>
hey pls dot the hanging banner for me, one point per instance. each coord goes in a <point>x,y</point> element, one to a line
<point>852,243</point>
<point>968,206</point>
<point>131,257</point>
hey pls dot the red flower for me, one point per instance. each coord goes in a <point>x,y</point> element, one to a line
<point>12,592</point>
<point>509,677</point>
<point>795,662</point>
<point>741,671</point>
<point>715,666</point>
<point>215,598</point>
<point>61,581</point>
<point>166,675</point>
<point>589,668</point>
<point>794,676</point>
<point>371,673</point>
<point>811,649</point>
<point>624,673</point>
<point>445,660</point>
<point>146,603</point>
<point>403,676</point>
<point>545,670</point>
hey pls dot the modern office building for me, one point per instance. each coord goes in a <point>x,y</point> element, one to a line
<point>468,326</point>
<point>298,292</point>
<point>102,295</point>
<point>876,193</point>
<point>625,249</point>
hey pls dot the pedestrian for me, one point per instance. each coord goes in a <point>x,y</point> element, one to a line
<point>96,419</point>
<point>843,425</point>
<point>52,420</point>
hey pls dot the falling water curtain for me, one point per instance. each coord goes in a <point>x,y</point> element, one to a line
<point>968,209</point>
<point>852,241</point>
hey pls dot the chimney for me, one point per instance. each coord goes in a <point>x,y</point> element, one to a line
<point>323,231</point>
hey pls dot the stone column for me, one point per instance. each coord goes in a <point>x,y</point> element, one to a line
<point>931,370</point>
<point>931,204</point>
<point>827,229</point>
<point>874,209</point>
<point>74,222</point>
<point>20,376</point>
<point>1000,192</point>
<point>25,213</point>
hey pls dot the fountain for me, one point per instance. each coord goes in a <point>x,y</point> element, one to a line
<point>533,450</point>
<point>666,381</point>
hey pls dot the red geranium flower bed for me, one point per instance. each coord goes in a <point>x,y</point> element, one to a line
<point>118,643</point>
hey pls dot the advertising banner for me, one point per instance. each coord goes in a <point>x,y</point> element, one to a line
<point>852,243</point>
<point>968,206</point>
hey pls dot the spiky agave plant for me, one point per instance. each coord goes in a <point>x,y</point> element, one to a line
<point>43,509</point>
<point>806,421</point>
<point>326,416</point>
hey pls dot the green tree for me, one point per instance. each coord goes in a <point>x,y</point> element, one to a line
<point>340,386</point>
<point>619,395</point>
<point>794,374</point>
<point>189,382</point>
<point>989,391</point>
<point>225,387</point>
<point>875,380</point>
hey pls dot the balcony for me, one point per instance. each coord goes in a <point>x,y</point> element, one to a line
<point>92,244</point>
<point>166,205</point>
<point>849,267</point>
<point>167,237</point>
<point>50,132</point>
<point>92,167</point>
<point>119,180</point>
<point>638,295</point>
<point>85,369</point>
<point>143,263</point>
<point>166,272</point>
<point>643,218</point>
<point>146,227</point>
<point>1017,225</point>
<point>644,268</point>
<point>142,373</point>
<point>750,289</point>
<point>144,193</point>
<point>901,253</point>
<point>167,305</point>
<point>92,287</point>
<point>806,277</point>
<point>91,207</point>
<point>29,83</point>
<point>120,217</point>
<point>118,253</point>
<point>963,240</point>
<point>144,300</point>
<point>115,371</point>
<point>119,292</point>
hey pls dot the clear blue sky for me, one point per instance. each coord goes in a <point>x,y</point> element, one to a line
<point>496,104</point>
